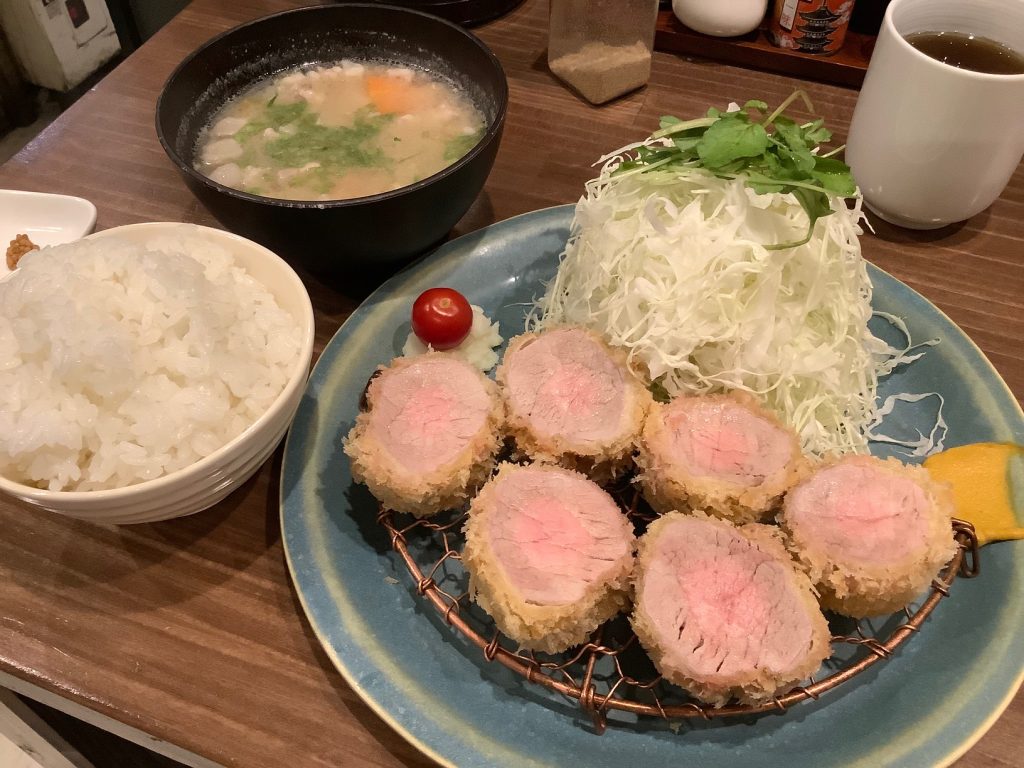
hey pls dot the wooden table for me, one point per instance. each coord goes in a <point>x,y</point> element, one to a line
<point>187,634</point>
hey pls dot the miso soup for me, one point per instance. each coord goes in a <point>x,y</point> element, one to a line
<point>328,133</point>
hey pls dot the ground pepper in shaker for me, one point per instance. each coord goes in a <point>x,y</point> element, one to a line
<point>602,48</point>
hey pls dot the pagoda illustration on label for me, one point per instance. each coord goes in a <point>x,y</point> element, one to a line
<point>811,26</point>
<point>817,29</point>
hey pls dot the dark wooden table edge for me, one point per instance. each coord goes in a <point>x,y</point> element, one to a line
<point>65,702</point>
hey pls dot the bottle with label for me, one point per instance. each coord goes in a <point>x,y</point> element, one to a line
<point>811,26</point>
<point>602,48</point>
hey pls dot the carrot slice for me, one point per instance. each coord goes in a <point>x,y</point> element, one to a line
<point>390,95</point>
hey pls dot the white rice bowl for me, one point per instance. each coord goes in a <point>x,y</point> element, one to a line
<point>124,359</point>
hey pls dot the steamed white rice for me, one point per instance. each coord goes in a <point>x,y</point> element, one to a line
<point>120,363</point>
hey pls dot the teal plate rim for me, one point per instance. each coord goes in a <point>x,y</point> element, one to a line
<point>926,706</point>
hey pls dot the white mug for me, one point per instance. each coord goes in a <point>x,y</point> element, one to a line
<point>931,144</point>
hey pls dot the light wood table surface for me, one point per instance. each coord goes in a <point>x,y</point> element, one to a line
<point>188,634</point>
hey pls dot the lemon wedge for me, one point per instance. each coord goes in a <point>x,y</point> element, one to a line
<point>980,476</point>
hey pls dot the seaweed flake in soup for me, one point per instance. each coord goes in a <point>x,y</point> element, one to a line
<point>336,132</point>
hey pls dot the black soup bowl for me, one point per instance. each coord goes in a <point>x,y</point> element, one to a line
<point>376,233</point>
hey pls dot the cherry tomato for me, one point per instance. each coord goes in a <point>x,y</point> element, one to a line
<point>442,318</point>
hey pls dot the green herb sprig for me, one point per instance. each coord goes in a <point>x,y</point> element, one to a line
<point>733,145</point>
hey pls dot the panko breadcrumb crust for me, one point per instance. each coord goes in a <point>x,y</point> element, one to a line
<point>546,628</point>
<point>860,590</point>
<point>602,463</point>
<point>448,486</point>
<point>754,686</point>
<point>668,486</point>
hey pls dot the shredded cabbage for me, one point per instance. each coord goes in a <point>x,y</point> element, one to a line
<point>670,264</point>
<point>922,445</point>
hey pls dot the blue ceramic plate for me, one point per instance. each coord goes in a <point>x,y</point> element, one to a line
<point>924,707</point>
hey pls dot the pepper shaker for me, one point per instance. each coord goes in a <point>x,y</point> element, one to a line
<point>602,48</point>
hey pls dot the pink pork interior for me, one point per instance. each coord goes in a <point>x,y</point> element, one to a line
<point>721,439</point>
<point>426,413</point>
<point>859,512</point>
<point>554,533</point>
<point>720,605</point>
<point>569,387</point>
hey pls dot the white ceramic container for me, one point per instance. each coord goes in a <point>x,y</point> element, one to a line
<point>46,218</point>
<point>720,18</point>
<point>209,480</point>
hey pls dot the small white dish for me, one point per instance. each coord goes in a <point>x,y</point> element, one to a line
<point>46,218</point>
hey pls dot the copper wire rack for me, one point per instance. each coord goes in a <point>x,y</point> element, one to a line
<point>611,672</point>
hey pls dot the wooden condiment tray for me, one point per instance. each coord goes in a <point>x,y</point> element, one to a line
<point>755,50</point>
